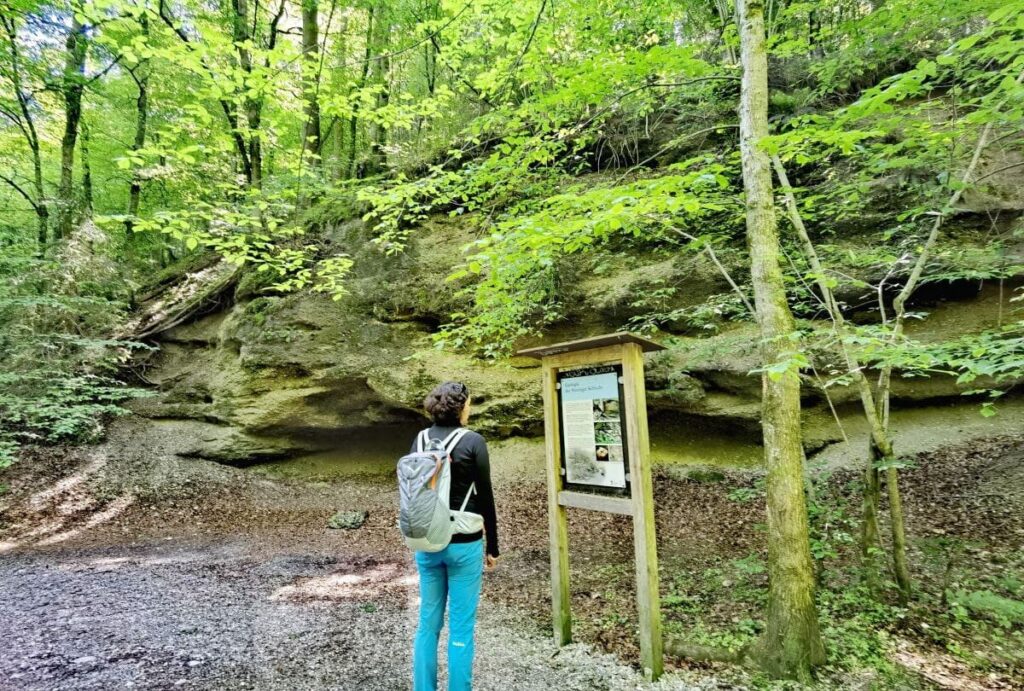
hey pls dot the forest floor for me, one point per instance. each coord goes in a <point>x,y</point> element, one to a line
<point>122,566</point>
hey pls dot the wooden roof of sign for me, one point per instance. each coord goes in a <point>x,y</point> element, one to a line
<point>593,342</point>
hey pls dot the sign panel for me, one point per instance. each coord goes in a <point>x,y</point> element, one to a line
<point>593,426</point>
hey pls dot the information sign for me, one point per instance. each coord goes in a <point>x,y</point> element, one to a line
<point>594,446</point>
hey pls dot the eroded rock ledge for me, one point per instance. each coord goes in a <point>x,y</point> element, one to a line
<point>248,376</point>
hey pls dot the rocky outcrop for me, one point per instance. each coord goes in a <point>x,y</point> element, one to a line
<point>248,375</point>
<point>267,375</point>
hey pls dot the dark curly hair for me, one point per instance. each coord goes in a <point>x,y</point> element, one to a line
<point>445,403</point>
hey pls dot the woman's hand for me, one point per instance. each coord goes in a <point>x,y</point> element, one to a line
<point>490,562</point>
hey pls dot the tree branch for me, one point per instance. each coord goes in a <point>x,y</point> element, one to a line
<point>20,191</point>
<point>225,106</point>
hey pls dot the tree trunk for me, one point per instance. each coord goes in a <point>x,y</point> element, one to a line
<point>869,543</point>
<point>875,408</point>
<point>141,118</point>
<point>141,76</point>
<point>901,567</point>
<point>226,105</point>
<point>381,71</point>
<point>253,106</point>
<point>337,149</point>
<point>311,53</point>
<point>353,121</point>
<point>72,87</point>
<point>724,11</point>
<point>28,128</point>
<point>87,196</point>
<point>792,642</point>
<point>336,132</point>
<point>378,154</point>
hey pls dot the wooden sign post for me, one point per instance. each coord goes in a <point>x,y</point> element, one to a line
<point>598,458</point>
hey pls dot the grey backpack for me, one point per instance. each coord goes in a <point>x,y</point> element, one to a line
<point>424,492</point>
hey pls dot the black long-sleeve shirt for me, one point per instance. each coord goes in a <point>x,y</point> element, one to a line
<point>471,464</point>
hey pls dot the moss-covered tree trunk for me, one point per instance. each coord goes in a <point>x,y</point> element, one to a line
<point>87,194</point>
<point>869,542</point>
<point>792,641</point>
<point>71,88</point>
<point>380,77</point>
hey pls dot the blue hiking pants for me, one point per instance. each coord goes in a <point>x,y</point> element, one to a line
<point>451,576</point>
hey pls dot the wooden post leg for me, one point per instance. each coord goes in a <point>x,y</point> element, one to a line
<point>558,528</point>
<point>644,540</point>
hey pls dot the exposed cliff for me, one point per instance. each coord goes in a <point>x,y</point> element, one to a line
<point>249,375</point>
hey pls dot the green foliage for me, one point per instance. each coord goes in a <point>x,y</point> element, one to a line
<point>708,316</point>
<point>833,527</point>
<point>58,372</point>
<point>987,362</point>
<point>1004,611</point>
<point>518,264</point>
<point>857,626</point>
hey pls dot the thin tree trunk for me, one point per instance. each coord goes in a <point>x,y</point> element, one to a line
<point>28,128</point>
<point>253,106</point>
<point>880,444</point>
<point>792,643</point>
<point>72,87</point>
<point>899,303</point>
<point>336,130</point>
<point>897,523</point>
<point>226,105</point>
<point>337,140</point>
<point>87,196</point>
<point>724,11</point>
<point>141,121</point>
<point>311,51</point>
<point>378,154</point>
<point>353,121</point>
<point>869,541</point>
<point>311,162</point>
<point>381,72</point>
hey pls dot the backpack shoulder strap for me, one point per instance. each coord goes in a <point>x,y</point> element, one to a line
<point>453,439</point>
<point>469,492</point>
<point>421,440</point>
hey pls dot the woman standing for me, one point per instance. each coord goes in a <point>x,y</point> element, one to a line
<point>453,576</point>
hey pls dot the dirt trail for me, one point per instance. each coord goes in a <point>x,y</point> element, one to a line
<point>161,573</point>
<point>171,614</point>
<point>126,566</point>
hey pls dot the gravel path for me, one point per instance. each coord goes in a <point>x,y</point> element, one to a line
<point>126,566</point>
<point>225,615</point>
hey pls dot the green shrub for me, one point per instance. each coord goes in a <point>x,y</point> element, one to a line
<point>1005,611</point>
<point>59,369</point>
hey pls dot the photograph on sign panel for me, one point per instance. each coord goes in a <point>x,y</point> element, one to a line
<point>608,432</point>
<point>583,468</point>
<point>606,410</point>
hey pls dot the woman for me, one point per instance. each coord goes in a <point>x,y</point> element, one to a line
<point>454,574</point>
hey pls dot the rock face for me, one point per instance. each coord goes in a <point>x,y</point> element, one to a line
<point>266,376</point>
<point>254,376</point>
